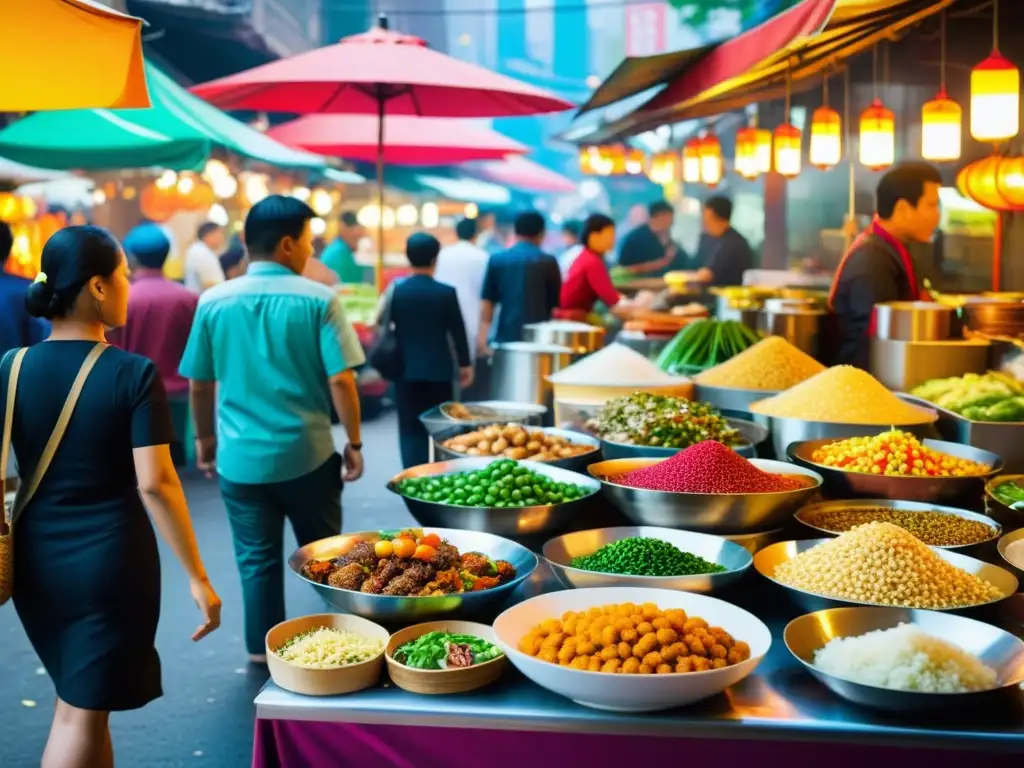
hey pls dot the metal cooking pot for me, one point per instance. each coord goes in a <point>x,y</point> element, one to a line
<point>913,321</point>
<point>999,318</point>
<point>801,328</point>
<point>581,338</point>
<point>522,368</point>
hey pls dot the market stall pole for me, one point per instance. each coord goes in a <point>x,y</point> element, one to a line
<point>70,54</point>
<point>379,73</point>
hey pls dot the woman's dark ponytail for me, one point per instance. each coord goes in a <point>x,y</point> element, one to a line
<point>71,258</point>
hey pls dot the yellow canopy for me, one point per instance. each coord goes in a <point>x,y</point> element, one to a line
<point>69,54</point>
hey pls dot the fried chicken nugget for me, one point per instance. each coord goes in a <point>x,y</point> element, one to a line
<point>652,660</point>
<point>549,655</point>
<point>667,636</point>
<point>595,664</point>
<point>629,635</point>
<point>697,649</point>
<point>684,664</point>
<point>645,670</point>
<point>719,663</point>
<point>663,669</point>
<point>717,651</point>
<point>611,665</point>
<point>693,623</point>
<point>631,666</point>
<point>677,618</point>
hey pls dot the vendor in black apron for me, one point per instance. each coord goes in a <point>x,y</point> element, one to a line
<point>878,268</point>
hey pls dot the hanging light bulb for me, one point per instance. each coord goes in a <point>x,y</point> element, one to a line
<point>691,161</point>
<point>763,139</point>
<point>711,164</point>
<point>877,136</point>
<point>941,117</point>
<point>745,162</point>
<point>826,144</point>
<point>787,140</point>
<point>995,93</point>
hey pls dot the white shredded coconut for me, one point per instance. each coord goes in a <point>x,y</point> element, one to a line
<point>325,648</point>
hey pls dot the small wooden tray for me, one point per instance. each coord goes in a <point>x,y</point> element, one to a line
<point>440,681</point>
<point>324,682</point>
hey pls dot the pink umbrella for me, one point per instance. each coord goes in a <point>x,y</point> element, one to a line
<point>411,140</point>
<point>525,174</point>
<point>378,73</point>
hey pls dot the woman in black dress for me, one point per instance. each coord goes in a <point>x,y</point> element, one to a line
<point>87,573</point>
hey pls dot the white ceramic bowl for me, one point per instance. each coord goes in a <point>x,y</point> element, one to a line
<point>630,693</point>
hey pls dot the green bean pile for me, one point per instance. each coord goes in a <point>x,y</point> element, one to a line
<point>502,483</point>
<point>640,556</point>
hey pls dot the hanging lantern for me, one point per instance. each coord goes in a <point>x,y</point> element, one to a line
<point>826,145</point>
<point>940,129</point>
<point>745,161</point>
<point>633,161</point>
<point>691,161</point>
<point>596,161</point>
<point>995,99</point>
<point>663,168</point>
<point>763,139</point>
<point>877,136</point>
<point>995,182</point>
<point>711,163</point>
<point>788,150</point>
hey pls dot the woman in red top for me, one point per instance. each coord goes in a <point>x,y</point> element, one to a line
<point>588,280</point>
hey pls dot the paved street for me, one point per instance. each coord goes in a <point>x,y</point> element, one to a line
<point>206,715</point>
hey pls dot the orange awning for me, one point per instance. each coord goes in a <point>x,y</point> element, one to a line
<point>801,43</point>
<point>69,54</point>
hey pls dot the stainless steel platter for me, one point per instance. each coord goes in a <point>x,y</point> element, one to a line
<point>769,558</point>
<point>726,513</point>
<point>394,609</point>
<point>484,412</point>
<point>731,398</point>
<point>785,432</point>
<point>935,489</point>
<point>1016,565</point>
<point>573,463</point>
<point>995,648</point>
<point>559,553</point>
<point>804,514</point>
<point>505,521</point>
<point>753,435</point>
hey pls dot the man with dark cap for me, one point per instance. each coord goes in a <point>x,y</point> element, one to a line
<point>160,314</point>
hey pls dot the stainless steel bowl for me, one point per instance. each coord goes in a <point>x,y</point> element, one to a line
<point>559,553</point>
<point>504,521</point>
<point>785,432</point>
<point>722,513</point>
<point>394,609</point>
<point>1015,566</point>
<point>843,484</point>
<point>803,515</point>
<point>573,463</point>
<point>1009,517</point>
<point>753,435</point>
<point>997,649</point>
<point>731,398</point>
<point>770,558</point>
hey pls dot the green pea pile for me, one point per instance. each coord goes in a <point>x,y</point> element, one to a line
<point>503,483</point>
<point>640,556</point>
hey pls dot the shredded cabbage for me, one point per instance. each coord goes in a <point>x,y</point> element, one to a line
<point>326,648</point>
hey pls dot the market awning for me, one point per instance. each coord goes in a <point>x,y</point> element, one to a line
<point>18,173</point>
<point>177,132</point>
<point>69,54</point>
<point>800,43</point>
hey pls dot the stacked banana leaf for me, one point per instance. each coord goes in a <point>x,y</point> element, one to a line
<point>704,344</point>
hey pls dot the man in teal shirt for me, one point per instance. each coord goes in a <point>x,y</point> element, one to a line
<point>274,349</point>
<point>340,255</point>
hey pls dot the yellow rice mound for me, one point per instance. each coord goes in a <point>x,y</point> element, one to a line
<point>843,395</point>
<point>772,364</point>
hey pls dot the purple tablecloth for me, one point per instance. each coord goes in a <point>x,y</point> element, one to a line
<point>298,744</point>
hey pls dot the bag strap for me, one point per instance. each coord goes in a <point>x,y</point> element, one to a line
<point>26,492</point>
<point>385,318</point>
<point>5,436</point>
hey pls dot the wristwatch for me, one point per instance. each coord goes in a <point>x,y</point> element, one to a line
<point>356,446</point>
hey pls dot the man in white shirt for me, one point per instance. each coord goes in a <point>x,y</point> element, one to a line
<point>203,269</point>
<point>463,266</point>
<point>573,248</point>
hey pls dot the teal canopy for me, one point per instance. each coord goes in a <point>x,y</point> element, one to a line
<point>177,132</point>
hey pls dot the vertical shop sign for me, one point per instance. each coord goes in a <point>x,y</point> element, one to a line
<point>645,29</point>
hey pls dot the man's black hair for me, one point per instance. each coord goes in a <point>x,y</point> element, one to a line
<point>6,242</point>
<point>349,219</point>
<point>206,228</point>
<point>905,181</point>
<point>271,220</point>
<point>466,229</point>
<point>529,224</point>
<point>720,206</point>
<point>572,227</point>
<point>421,249</point>
<point>659,207</point>
<point>596,222</point>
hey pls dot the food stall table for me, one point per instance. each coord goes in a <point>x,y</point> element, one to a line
<point>780,713</point>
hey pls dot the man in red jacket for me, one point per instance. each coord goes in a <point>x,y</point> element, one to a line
<point>878,267</point>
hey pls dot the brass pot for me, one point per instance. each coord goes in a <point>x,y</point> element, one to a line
<point>913,321</point>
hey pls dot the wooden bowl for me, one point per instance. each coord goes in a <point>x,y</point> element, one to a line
<point>324,682</point>
<point>437,681</point>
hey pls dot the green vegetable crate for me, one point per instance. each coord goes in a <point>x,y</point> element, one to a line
<point>1004,438</point>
